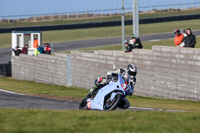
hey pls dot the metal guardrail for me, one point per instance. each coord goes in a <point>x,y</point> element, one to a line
<point>100,24</point>
<point>94,13</point>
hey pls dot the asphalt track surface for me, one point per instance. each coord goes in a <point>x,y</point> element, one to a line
<point>10,99</point>
<point>5,53</point>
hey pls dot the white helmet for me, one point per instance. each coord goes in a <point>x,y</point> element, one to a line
<point>131,69</point>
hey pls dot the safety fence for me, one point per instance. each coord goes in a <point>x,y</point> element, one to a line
<point>95,13</point>
<point>99,24</point>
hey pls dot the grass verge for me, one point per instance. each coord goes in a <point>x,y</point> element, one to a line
<point>106,32</point>
<point>56,91</point>
<point>42,121</point>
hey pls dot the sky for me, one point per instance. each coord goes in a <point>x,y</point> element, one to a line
<point>23,7</point>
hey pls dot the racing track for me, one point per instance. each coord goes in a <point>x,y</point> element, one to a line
<point>10,99</point>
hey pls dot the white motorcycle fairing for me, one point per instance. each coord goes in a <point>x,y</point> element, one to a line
<point>115,87</point>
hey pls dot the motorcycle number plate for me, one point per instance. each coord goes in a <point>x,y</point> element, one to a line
<point>89,104</point>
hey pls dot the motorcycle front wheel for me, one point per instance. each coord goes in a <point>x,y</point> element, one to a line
<point>112,105</point>
<point>83,104</point>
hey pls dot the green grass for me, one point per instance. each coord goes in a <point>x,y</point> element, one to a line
<point>53,90</point>
<point>42,121</point>
<point>106,32</point>
<point>48,121</point>
<point>57,22</point>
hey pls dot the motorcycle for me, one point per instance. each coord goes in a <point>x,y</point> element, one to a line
<point>109,97</point>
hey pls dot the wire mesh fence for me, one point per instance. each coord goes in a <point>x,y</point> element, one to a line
<point>95,13</point>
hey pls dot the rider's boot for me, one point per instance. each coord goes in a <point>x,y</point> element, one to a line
<point>92,91</point>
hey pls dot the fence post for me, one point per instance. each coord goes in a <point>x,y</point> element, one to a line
<point>110,12</point>
<point>102,13</point>
<point>51,17</point>
<point>17,18</point>
<point>34,17</point>
<point>51,48</point>
<point>93,14</point>
<point>60,17</point>
<point>76,15</point>
<point>184,6</point>
<point>0,18</point>
<point>8,19</point>
<point>69,71</point>
<point>86,14</point>
<point>68,15</point>
<point>43,17</point>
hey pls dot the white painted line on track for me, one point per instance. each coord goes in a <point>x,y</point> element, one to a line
<point>154,109</point>
<point>154,40</point>
<point>11,92</point>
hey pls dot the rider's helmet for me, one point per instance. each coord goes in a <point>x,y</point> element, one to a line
<point>131,69</point>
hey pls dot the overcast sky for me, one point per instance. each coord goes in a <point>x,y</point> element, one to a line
<point>22,7</point>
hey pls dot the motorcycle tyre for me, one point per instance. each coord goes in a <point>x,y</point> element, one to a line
<point>124,104</point>
<point>83,104</point>
<point>116,103</point>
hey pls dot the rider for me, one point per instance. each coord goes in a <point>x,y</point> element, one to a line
<point>112,75</point>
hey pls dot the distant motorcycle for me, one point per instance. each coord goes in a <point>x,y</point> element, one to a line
<point>109,97</point>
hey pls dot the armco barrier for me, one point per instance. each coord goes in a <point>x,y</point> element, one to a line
<point>99,24</point>
<point>163,72</point>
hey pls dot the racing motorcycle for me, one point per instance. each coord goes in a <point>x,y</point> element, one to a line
<point>109,97</point>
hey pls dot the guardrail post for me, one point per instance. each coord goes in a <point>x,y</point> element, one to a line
<point>51,16</point>
<point>86,14</point>
<point>69,71</point>
<point>93,14</point>
<point>17,18</point>
<point>52,49</point>
<point>68,16</point>
<point>34,17</point>
<point>102,13</point>
<point>76,15</point>
<point>60,16</point>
